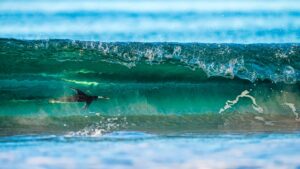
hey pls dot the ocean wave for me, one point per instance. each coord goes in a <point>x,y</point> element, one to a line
<point>155,87</point>
<point>96,126</point>
<point>134,61</point>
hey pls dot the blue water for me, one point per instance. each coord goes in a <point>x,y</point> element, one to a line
<point>192,84</point>
<point>233,21</point>
<point>141,150</point>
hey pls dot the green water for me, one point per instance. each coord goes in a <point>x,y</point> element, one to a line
<point>153,87</point>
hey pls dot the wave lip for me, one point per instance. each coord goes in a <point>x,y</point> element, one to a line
<point>275,62</point>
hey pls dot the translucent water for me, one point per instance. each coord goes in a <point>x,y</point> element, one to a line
<point>192,84</point>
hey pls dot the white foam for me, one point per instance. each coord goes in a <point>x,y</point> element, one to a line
<point>87,132</point>
<point>293,109</point>
<point>100,128</point>
<point>245,93</point>
<point>263,120</point>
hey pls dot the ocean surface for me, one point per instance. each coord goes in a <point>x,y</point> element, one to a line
<point>213,21</point>
<point>191,84</point>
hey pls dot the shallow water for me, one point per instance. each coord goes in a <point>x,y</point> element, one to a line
<point>142,150</point>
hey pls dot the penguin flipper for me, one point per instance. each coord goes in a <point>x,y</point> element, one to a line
<point>78,92</point>
<point>87,104</point>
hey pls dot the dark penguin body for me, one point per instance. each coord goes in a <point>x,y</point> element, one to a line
<point>80,96</point>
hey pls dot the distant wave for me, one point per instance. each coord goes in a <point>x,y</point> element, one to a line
<point>214,21</point>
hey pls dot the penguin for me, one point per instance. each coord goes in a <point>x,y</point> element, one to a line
<point>80,96</point>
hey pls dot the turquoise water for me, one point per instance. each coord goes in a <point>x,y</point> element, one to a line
<point>174,86</point>
<point>182,105</point>
<point>186,88</point>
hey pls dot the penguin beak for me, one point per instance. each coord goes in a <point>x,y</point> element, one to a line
<point>103,97</point>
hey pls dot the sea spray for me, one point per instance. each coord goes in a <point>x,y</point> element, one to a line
<point>139,61</point>
<point>156,87</point>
